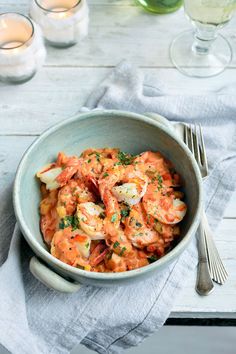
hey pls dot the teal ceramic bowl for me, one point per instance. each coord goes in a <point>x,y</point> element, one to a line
<point>132,133</point>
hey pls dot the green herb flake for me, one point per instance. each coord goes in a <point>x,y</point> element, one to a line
<point>106,174</point>
<point>122,251</point>
<point>97,156</point>
<point>116,244</point>
<point>61,225</point>
<point>124,158</point>
<point>125,212</point>
<point>109,255</point>
<point>87,245</point>
<point>70,220</point>
<point>89,160</point>
<point>160,179</point>
<point>114,217</point>
<point>152,259</point>
<point>138,224</point>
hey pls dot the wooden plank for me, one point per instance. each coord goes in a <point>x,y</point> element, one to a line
<point>124,31</point>
<point>55,94</point>
<point>51,96</point>
<point>221,303</point>
<point>231,208</point>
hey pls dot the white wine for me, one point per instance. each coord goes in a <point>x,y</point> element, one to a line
<point>161,6</point>
<point>211,12</point>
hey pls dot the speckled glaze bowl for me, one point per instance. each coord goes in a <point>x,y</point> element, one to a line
<point>131,132</point>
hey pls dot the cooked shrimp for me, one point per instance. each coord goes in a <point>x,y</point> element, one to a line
<point>137,230</point>
<point>158,168</point>
<point>48,175</point>
<point>132,184</point>
<point>70,166</point>
<point>94,162</point>
<point>91,218</point>
<point>71,247</point>
<point>98,254</point>
<point>133,189</point>
<point>72,193</point>
<point>165,208</point>
<point>58,174</point>
<point>110,211</point>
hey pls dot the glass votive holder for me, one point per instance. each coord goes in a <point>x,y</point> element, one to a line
<point>63,22</point>
<point>22,49</point>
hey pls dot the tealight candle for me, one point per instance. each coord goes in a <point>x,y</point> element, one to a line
<point>63,22</point>
<point>22,50</point>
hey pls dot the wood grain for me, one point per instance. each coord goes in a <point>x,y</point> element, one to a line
<point>123,30</point>
<point>55,94</point>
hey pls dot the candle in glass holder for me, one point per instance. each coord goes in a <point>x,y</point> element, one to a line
<point>22,50</point>
<point>63,22</point>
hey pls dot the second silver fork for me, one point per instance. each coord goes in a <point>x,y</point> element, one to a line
<point>194,140</point>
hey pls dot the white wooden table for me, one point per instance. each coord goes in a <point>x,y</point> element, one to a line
<point>118,29</point>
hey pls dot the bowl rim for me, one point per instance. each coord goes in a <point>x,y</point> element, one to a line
<point>51,260</point>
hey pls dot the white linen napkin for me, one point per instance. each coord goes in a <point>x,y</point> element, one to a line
<point>34,319</point>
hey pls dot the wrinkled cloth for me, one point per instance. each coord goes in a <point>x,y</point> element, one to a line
<point>34,319</point>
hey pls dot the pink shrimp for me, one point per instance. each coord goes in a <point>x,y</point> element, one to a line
<point>137,230</point>
<point>72,193</point>
<point>70,166</point>
<point>71,247</point>
<point>94,162</point>
<point>164,207</point>
<point>158,168</point>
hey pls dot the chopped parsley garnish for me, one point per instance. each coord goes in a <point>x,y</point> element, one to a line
<point>116,244</point>
<point>89,161</point>
<point>106,174</point>
<point>122,251</point>
<point>138,224</point>
<point>71,220</point>
<point>97,156</point>
<point>160,179</point>
<point>125,212</point>
<point>114,217</point>
<point>152,259</point>
<point>125,159</point>
<point>87,245</point>
<point>109,255</point>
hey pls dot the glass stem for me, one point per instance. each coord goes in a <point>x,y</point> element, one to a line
<point>204,36</point>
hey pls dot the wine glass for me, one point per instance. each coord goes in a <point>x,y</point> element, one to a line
<point>203,52</point>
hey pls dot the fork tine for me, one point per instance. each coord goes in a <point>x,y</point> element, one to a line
<point>186,134</point>
<point>204,157</point>
<point>196,147</point>
<point>192,148</point>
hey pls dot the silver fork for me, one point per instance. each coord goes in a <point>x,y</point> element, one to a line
<point>195,142</point>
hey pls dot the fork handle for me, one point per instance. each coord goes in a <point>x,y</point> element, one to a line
<point>204,285</point>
